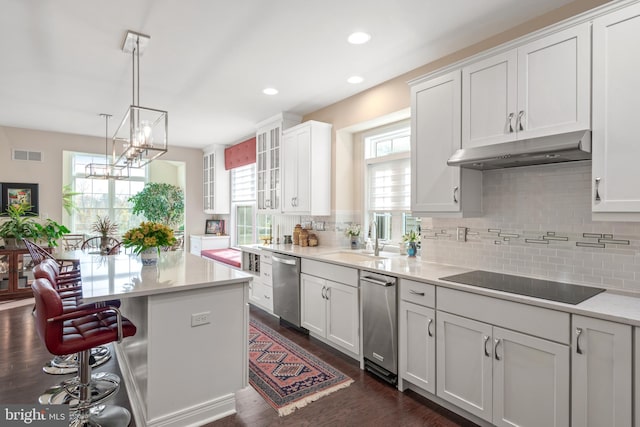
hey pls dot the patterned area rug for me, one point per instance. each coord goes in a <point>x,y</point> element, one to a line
<point>286,375</point>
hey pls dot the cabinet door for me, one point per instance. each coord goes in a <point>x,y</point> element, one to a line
<point>313,309</point>
<point>274,169</point>
<point>261,170</point>
<point>489,100</point>
<point>206,200</point>
<point>601,373</point>
<point>530,380</point>
<point>616,67</point>
<point>417,343</point>
<point>435,136</point>
<point>554,83</point>
<point>296,170</point>
<point>343,316</point>
<point>464,364</point>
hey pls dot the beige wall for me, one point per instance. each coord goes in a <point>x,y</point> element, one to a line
<point>48,173</point>
<point>392,96</point>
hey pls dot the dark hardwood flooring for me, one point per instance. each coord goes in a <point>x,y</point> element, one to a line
<point>366,402</point>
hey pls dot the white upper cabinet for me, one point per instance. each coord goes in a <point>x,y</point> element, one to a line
<point>436,188</point>
<point>268,161</point>
<point>541,88</point>
<point>616,85</point>
<point>215,182</point>
<point>306,169</point>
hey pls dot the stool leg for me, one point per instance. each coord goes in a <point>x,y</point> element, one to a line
<point>92,416</point>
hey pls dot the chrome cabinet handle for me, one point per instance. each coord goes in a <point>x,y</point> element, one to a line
<point>495,348</point>
<point>510,118</point>
<point>328,293</point>
<point>412,292</point>
<point>455,191</point>
<point>578,333</point>
<point>486,339</point>
<point>267,297</point>
<point>324,288</point>
<point>429,322</point>
<point>519,120</point>
<point>597,189</point>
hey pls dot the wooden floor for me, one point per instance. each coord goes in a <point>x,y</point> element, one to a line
<point>366,402</point>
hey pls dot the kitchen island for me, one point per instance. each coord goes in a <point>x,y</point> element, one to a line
<point>190,353</point>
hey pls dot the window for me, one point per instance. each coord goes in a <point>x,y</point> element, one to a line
<point>243,204</point>
<point>101,196</point>
<point>388,181</point>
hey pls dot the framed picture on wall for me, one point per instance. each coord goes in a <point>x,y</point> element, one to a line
<point>18,193</point>
<point>214,226</point>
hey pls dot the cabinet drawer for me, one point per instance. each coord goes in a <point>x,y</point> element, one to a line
<point>542,322</point>
<point>265,273</point>
<point>265,258</point>
<point>267,297</point>
<point>328,271</point>
<point>418,292</point>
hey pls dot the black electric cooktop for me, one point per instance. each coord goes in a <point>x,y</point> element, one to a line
<point>545,289</point>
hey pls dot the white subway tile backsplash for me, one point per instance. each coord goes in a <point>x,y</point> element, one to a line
<point>552,201</point>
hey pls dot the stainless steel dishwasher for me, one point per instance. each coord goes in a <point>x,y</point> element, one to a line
<point>286,288</point>
<point>379,325</point>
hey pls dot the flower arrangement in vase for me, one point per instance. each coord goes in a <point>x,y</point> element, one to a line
<point>147,238</point>
<point>353,231</point>
<point>412,240</point>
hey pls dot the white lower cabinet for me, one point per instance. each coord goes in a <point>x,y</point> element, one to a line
<point>329,310</point>
<point>261,295</point>
<point>505,377</point>
<point>417,331</point>
<point>417,340</point>
<point>601,373</point>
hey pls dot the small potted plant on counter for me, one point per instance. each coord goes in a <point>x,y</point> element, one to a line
<point>411,240</point>
<point>104,227</point>
<point>353,231</point>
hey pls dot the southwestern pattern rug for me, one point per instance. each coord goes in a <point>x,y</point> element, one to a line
<point>287,376</point>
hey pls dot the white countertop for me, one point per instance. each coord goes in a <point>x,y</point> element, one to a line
<point>122,276</point>
<point>608,305</point>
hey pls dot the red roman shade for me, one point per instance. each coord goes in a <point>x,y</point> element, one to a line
<point>240,154</point>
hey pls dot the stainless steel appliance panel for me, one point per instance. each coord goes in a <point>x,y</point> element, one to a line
<point>286,287</point>
<point>379,318</point>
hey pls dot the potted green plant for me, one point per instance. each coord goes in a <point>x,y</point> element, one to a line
<point>159,202</point>
<point>412,240</point>
<point>19,226</point>
<point>51,231</point>
<point>104,227</point>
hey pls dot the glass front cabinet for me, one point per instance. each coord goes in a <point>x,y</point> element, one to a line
<point>16,273</point>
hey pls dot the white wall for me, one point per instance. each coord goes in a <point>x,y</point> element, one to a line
<point>48,173</point>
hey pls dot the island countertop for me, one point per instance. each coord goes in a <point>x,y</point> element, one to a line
<point>123,275</point>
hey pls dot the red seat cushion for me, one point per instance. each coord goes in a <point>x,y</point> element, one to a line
<point>227,256</point>
<point>79,330</point>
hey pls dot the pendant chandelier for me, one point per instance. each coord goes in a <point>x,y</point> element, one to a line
<point>142,134</point>
<point>106,170</point>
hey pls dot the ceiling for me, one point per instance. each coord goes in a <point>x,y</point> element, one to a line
<point>207,62</point>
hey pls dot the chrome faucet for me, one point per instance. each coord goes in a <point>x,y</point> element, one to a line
<point>373,229</point>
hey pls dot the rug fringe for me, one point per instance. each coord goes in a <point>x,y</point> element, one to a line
<point>288,409</point>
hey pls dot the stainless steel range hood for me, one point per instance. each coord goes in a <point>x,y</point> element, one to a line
<point>566,147</point>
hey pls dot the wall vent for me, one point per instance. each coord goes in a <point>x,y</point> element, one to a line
<point>34,156</point>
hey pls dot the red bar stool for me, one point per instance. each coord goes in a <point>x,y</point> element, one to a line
<point>68,284</point>
<point>77,332</point>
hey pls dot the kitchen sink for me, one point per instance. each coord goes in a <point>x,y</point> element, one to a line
<point>349,256</point>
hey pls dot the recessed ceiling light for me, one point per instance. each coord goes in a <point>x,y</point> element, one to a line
<point>270,91</point>
<point>355,79</point>
<point>359,38</point>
